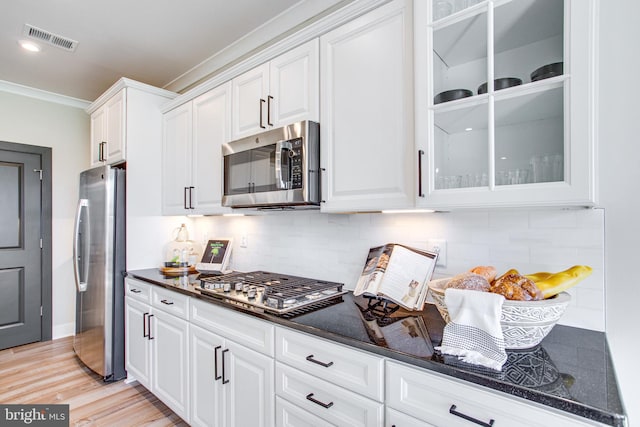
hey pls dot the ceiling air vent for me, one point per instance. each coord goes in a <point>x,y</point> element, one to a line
<point>49,38</point>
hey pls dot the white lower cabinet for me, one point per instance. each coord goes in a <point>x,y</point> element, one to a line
<point>395,418</point>
<point>206,401</point>
<point>156,345</point>
<point>137,344</point>
<point>231,384</point>
<point>343,366</point>
<point>170,361</point>
<point>333,404</point>
<point>339,385</point>
<point>215,366</point>
<point>446,402</point>
<point>290,415</point>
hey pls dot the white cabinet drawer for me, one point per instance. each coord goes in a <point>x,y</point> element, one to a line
<point>289,415</point>
<point>253,333</point>
<point>395,418</point>
<point>138,290</point>
<point>432,397</point>
<point>353,369</point>
<point>170,301</point>
<point>331,403</point>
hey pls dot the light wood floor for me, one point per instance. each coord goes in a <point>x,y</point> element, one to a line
<point>50,373</point>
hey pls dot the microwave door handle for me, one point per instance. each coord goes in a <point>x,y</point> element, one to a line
<point>281,146</point>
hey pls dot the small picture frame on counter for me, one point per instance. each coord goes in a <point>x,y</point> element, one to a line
<point>215,257</point>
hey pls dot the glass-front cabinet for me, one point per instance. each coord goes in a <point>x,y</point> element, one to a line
<point>505,103</point>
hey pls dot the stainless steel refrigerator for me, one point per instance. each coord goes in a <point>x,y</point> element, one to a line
<point>99,265</point>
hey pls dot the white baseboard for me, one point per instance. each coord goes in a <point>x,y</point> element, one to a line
<point>64,330</point>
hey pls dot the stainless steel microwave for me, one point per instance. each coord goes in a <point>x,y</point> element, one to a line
<point>278,168</point>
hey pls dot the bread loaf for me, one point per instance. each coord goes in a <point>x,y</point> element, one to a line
<point>516,287</point>
<point>470,281</point>
<point>489,272</point>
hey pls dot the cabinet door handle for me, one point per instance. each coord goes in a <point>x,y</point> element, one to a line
<point>191,197</point>
<point>320,172</point>
<point>311,359</point>
<point>215,363</point>
<point>224,379</point>
<point>453,411</point>
<point>101,151</point>
<point>324,405</point>
<point>135,291</point>
<point>262,101</point>
<point>269,98</point>
<point>149,325</point>
<point>145,332</point>
<point>164,301</point>
<point>184,197</point>
<point>420,154</point>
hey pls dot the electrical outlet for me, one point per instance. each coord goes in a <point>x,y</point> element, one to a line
<point>244,241</point>
<point>440,246</point>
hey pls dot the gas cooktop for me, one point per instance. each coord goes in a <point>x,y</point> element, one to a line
<point>280,294</point>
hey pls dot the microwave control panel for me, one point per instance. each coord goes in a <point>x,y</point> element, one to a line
<point>295,158</point>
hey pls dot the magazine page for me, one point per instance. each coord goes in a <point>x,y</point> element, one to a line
<point>375,267</point>
<point>406,275</point>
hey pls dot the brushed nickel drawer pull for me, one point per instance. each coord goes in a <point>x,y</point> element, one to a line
<point>311,359</point>
<point>453,411</point>
<point>324,405</point>
<point>164,301</point>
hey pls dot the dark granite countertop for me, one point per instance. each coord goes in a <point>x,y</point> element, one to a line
<point>571,370</point>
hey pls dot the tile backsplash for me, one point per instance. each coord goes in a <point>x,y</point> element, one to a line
<point>334,247</point>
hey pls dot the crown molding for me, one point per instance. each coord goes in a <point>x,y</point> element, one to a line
<point>122,83</point>
<point>246,61</point>
<point>42,95</point>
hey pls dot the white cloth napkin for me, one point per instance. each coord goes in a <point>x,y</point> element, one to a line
<point>474,333</point>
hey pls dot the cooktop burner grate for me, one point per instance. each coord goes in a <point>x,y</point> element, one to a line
<point>273,292</point>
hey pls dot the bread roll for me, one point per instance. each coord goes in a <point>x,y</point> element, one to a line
<point>469,280</point>
<point>516,287</point>
<point>489,272</point>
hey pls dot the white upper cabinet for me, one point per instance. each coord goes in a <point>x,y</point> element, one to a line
<point>108,124</point>
<point>527,137</point>
<point>211,129</point>
<point>193,135</point>
<point>366,125</point>
<point>124,122</point>
<point>282,91</point>
<point>176,155</point>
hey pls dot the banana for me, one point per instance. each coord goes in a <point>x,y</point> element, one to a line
<point>553,283</point>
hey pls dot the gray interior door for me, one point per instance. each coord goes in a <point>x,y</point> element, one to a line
<point>20,252</point>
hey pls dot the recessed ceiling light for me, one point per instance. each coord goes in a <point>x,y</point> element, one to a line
<point>30,46</point>
<point>503,158</point>
<point>468,129</point>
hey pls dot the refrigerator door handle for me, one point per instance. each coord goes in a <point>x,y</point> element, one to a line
<point>81,282</point>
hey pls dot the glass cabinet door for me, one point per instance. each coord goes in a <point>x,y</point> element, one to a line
<point>461,119</point>
<point>495,98</point>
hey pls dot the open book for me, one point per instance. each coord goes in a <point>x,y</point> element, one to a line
<point>398,273</point>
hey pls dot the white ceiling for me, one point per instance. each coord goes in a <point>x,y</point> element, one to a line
<point>158,42</point>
